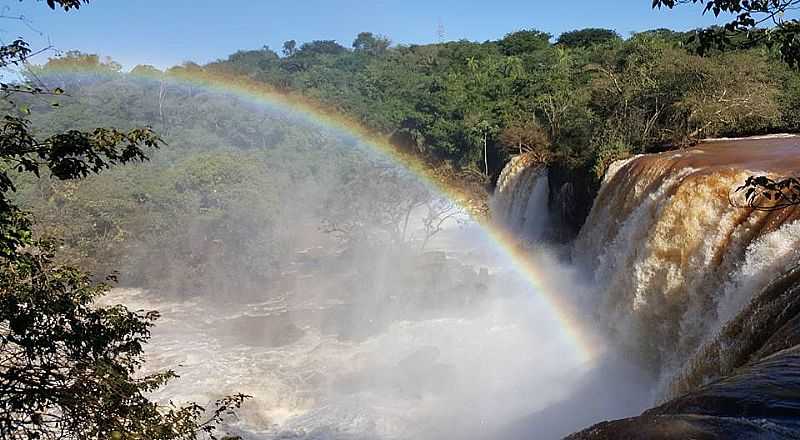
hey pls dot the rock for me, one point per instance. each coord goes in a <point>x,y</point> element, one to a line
<point>761,400</point>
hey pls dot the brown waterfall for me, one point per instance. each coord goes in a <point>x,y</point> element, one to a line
<point>675,262</point>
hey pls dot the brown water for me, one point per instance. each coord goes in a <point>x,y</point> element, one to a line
<point>674,260</point>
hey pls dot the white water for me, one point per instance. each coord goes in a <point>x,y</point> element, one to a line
<point>613,386</point>
<point>457,376</point>
<point>468,372</point>
<point>520,200</point>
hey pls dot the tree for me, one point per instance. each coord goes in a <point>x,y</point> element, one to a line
<point>763,193</point>
<point>743,30</point>
<point>146,70</point>
<point>438,211</point>
<point>481,129</point>
<point>375,205</point>
<point>321,47</point>
<point>525,41</point>
<point>587,37</point>
<point>68,367</point>
<point>526,136</point>
<point>557,95</point>
<point>371,44</point>
<point>289,48</point>
<point>252,60</point>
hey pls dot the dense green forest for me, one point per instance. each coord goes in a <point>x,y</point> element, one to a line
<point>584,99</point>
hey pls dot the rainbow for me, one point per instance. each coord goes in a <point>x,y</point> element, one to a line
<point>259,93</point>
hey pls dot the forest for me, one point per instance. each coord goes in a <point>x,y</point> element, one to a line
<point>581,99</point>
<point>577,103</point>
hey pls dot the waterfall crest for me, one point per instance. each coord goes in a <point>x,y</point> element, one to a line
<point>673,259</point>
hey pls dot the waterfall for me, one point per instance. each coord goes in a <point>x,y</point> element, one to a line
<point>673,259</point>
<point>520,200</point>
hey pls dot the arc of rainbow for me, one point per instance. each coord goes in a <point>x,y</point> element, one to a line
<point>260,93</point>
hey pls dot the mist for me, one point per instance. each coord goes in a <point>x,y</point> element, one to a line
<point>293,263</point>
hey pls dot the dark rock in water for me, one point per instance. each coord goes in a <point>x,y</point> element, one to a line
<point>767,389</point>
<point>682,427</point>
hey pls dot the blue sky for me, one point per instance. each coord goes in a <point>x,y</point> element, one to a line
<point>167,32</point>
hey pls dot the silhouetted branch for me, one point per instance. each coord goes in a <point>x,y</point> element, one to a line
<point>766,194</point>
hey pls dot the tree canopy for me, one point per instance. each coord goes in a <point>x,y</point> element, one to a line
<point>70,368</point>
<point>754,23</point>
<point>587,37</point>
<point>369,43</point>
<point>524,41</point>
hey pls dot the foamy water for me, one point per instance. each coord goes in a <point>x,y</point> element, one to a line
<point>462,372</point>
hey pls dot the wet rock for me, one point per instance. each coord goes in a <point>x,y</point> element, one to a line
<point>683,427</point>
<point>761,400</point>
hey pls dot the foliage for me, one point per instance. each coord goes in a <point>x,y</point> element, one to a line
<point>66,4</point>
<point>459,104</point>
<point>444,100</point>
<point>376,203</point>
<point>521,136</point>
<point>371,44</point>
<point>321,47</point>
<point>525,41</point>
<point>743,30</point>
<point>608,153</point>
<point>587,37</point>
<point>70,368</point>
<point>766,194</point>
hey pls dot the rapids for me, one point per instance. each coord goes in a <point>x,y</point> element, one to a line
<point>390,347</point>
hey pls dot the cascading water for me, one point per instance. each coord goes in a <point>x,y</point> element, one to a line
<point>673,259</point>
<point>520,199</point>
<point>688,285</point>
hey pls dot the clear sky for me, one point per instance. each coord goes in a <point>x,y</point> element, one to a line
<point>168,32</point>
